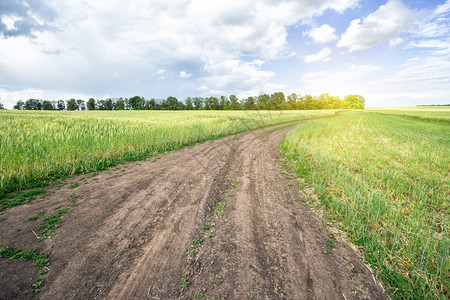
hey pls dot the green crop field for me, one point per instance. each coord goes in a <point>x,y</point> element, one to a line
<point>439,113</point>
<point>384,175</point>
<point>38,146</point>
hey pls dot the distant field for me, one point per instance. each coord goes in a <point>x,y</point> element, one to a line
<point>37,146</point>
<point>425,112</point>
<point>386,178</point>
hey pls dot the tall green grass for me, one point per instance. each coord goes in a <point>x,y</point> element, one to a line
<point>37,146</point>
<point>386,179</point>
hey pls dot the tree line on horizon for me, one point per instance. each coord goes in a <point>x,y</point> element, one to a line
<point>275,101</point>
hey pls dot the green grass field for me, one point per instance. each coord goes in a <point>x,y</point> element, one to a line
<point>38,146</point>
<point>439,113</point>
<point>385,177</point>
<point>382,173</point>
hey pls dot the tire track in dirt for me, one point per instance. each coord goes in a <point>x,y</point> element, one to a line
<point>128,236</point>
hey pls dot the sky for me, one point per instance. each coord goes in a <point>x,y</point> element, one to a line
<point>393,53</point>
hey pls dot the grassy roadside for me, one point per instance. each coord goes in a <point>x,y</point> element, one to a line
<point>40,146</point>
<point>386,179</point>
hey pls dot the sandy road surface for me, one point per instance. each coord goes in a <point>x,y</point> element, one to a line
<point>128,235</point>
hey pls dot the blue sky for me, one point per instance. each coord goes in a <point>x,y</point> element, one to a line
<point>394,53</point>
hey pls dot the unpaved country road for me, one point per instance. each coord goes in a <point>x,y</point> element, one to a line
<point>128,235</point>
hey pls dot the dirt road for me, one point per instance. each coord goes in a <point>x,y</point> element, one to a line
<point>148,231</point>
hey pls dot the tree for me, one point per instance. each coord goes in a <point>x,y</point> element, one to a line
<point>198,102</point>
<point>322,101</point>
<point>171,103</point>
<point>136,102</point>
<point>81,105</point>
<point>277,100</point>
<point>224,102</point>
<point>19,105</point>
<point>181,106</point>
<point>263,101</point>
<point>109,104</point>
<point>1,106</point>
<point>234,103</point>
<point>152,104</point>
<point>61,105</point>
<point>354,102</point>
<point>120,104</point>
<point>307,102</point>
<point>212,102</point>
<point>291,101</point>
<point>33,104</point>
<point>72,104</point>
<point>249,103</point>
<point>91,104</point>
<point>334,103</point>
<point>189,104</point>
<point>47,105</point>
<point>207,103</point>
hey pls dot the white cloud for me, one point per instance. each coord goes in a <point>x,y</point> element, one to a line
<point>429,43</point>
<point>293,53</point>
<point>395,42</point>
<point>183,74</point>
<point>442,8</point>
<point>436,24</point>
<point>423,79</point>
<point>162,71</point>
<point>95,39</point>
<point>323,34</point>
<point>380,26</point>
<point>235,75</point>
<point>322,55</point>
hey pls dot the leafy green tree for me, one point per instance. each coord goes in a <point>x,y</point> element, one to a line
<point>120,104</point>
<point>91,104</point>
<point>152,104</point>
<point>47,105</point>
<point>181,105</point>
<point>234,103</point>
<point>354,102</point>
<point>249,103</point>
<point>263,101</point>
<point>291,102</point>
<point>110,104</point>
<point>307,102</point>
<point>81,104</point>
<point>19,105</point>
<point>212,103</point>
<point>322,101</point>
<point>100,104</point>
<point>72,104</point>
<point>224,102</point>
<point>207,103</point>
<point>1,106</point>
<point>61,105</point>
<point>277,100</point>
<point>334,103</point>
<point>136,102</point>
<point>107,104</point>
<point>198,102</point>
<point>171,103</point>
<point>189,104</point>
<point>33,104</point>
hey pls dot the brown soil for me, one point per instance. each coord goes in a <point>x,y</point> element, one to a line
<point>128,235</point>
